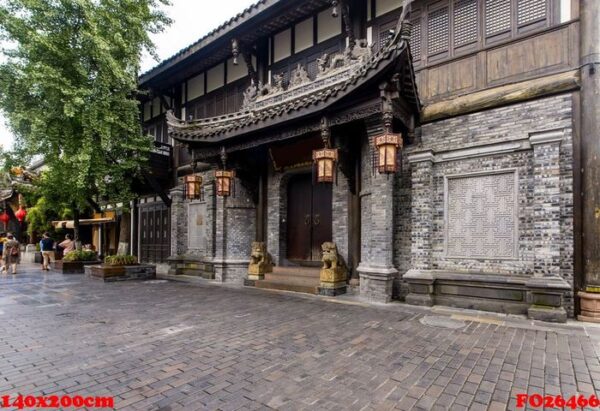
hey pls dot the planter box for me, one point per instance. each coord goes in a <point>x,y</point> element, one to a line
<point>71,267</point>
<point>121,273</point>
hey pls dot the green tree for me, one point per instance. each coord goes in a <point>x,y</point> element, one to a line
<point>69,88</point>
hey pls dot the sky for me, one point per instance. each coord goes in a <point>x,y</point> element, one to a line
<point>192,19</point>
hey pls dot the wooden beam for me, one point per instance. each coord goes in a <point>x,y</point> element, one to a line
<point>500,96</point>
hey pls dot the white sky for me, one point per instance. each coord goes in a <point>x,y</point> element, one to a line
<point>191,20</point>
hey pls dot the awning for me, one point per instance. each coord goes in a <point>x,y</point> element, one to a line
<point>91,221</point>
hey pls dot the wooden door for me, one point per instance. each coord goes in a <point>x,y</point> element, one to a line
<point>321,218</point>
<point>155,234</point>
<point>299,218</point>
<point>309,218</point>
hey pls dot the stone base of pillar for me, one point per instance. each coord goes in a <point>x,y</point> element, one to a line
<point>590,307</point>
<point>231,271</point>
<point>545,294</point>
<point>376,283</point>
<point>420,288</point>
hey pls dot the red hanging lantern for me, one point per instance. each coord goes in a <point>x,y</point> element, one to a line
<point>5,218</point>
<point>21,214</point>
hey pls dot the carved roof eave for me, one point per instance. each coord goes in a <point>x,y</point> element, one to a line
<point>234,126</point>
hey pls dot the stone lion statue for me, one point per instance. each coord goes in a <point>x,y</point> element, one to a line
<point>260,260</point>
<point>330,256</point>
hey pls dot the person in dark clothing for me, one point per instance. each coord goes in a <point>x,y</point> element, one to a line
<point>47,249</point>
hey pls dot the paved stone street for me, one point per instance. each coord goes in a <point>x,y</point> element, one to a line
<point>169,346</point>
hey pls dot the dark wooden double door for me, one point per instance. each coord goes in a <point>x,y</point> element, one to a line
<point>155,233</point>
<point>308,218</point>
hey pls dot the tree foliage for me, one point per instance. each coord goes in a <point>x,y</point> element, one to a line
<point>69,89</point>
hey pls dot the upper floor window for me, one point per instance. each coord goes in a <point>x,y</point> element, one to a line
<point>446,28</point>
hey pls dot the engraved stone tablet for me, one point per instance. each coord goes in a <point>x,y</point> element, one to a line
<point>196,227</point>
<point>481,216</point>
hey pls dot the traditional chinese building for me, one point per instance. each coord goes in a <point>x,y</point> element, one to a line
<point>425,151</point>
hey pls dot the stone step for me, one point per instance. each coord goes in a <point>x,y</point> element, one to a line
<point>287,286</point>
<point>296,271</point>
<point>298,280</point>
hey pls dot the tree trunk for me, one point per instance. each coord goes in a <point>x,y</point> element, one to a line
<point>124,233</point>
<point>76,227</point>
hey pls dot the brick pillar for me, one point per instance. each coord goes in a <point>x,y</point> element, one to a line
<point>235,219</point>
<point>419,279</point>
<point>421,209</point>
<point>546,194</point>
<point>178,223</point>
<point>339,223</point>
<point>546,289</point>
<point>376,268</point>
<point>276,202</point>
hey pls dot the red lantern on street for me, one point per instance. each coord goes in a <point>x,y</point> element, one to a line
<point>21,214</point>
<point>5,218</point>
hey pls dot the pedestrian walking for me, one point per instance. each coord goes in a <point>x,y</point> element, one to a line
<point>11,254</point>
<point>2,241</point>
<point>68,244</point>
<point>47,249</point>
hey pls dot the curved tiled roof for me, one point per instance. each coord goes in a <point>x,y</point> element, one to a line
<point>218,128</point>
<point>210,37</point>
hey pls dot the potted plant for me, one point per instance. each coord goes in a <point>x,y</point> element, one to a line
<point>74,261</point>
<point>122,267</point>
<point>37,258</point>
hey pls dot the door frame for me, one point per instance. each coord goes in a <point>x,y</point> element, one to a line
<point>288,178</point>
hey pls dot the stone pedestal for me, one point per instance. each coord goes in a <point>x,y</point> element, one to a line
<point>590,307</point>
<point>333,281</point>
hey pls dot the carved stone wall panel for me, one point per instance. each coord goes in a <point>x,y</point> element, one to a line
<point>197,228</point>
<point>481,216</point>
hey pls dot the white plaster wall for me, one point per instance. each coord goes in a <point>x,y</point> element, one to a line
<point>385,6</point>
<point>283,45</point>
<point>147,114</point>
<point>304,35</point>
<point>328,26</point>
<point>215,78</point>
<point>236,72</point>
<point>196,87</point>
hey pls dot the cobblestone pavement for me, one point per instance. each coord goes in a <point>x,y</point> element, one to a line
<point>170,346</point>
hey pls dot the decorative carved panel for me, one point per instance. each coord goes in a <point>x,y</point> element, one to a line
<point>197,227</point>
<point>481,216</point>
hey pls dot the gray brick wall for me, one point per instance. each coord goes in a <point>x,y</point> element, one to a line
<point>545,186</point>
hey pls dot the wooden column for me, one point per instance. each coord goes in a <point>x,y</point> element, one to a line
<point>590,139</point>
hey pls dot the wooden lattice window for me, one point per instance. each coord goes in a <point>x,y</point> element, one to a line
<point>530,11</point>
<point>437,30</point>
<point>415,39</point>
<point>497,16</point>
<point>465,22</point>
